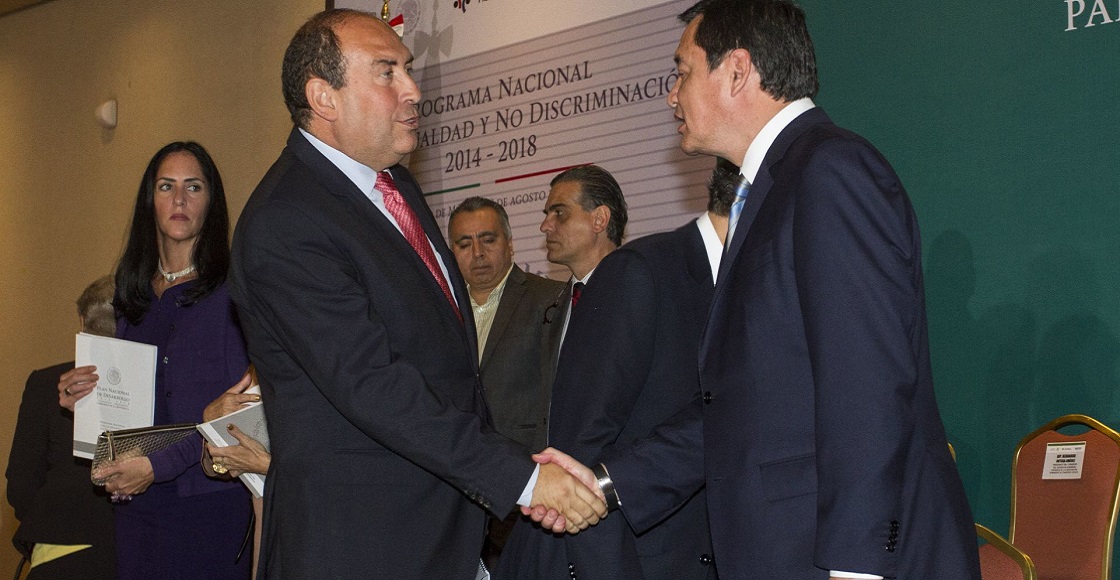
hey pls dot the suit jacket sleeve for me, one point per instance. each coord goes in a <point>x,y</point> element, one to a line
<point>28,461</point>
<point>657,474</point>
<point>310,299</point>
<point>854,264</point>
<point>617,336</point>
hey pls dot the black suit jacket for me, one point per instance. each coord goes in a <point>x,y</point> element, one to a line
<point>554,318</point>
<point>628,364</point>
<point>822,443</point>
<point>49,488</point>
<point>381,445</point>
<point>516,383</point>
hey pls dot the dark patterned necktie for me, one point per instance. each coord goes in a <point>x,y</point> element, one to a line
<point>413,232</point>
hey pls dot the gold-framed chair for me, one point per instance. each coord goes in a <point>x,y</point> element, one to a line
<point>999,560</point>
<point>1067,525</point>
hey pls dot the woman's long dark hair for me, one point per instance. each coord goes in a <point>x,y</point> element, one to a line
<point>141,256</point>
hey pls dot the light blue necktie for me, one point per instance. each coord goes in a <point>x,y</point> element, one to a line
<point>741,192</point>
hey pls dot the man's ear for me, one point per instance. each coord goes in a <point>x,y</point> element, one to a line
<point>600,218</point>
<point>740,70</point>
<point>321,96</point>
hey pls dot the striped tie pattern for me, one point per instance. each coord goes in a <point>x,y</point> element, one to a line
<point>741,192</point>
<point>413,232</point>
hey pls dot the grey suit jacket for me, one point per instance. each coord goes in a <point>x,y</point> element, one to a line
<point>515,377</point>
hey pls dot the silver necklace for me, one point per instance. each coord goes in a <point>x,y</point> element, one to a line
<point>173,276</point>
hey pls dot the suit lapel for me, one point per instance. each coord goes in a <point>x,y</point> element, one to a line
<point>555,316</point>
<point>410,191</point>
<point>514,291</point>
<point>332,178</point>
<point>336,182</point>
<point>760,189</point>
<point>763,181</point>
<point>696,254</point>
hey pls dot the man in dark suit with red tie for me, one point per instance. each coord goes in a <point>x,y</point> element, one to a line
<point>383,460</point>
<point>815,430</point>
<point>584,220</point>
<point>629,363</point>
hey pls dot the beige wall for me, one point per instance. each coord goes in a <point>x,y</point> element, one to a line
<point>206,70</point>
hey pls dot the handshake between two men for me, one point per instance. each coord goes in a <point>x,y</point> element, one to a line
<point>561,504</point>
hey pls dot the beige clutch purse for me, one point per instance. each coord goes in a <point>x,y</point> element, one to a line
<point>117,445</point>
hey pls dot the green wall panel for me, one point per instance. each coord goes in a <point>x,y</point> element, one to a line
<point>1005,128</point>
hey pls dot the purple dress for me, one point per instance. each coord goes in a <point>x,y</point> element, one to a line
<point>186,525</point>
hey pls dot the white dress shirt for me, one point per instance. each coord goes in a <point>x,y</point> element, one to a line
<point>364,178</point>
<point>712,246</point>
<point>484,313</point>
<point>752,161</point>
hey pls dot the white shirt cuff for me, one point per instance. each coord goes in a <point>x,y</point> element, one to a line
<point>526,498</point>
<point>839,574</point>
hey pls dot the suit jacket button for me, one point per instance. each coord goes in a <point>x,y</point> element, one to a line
<point>707,397</point>
<point>705,559</point>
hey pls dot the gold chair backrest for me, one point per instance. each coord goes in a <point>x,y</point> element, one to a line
<point>1067,525</point>
<point>999,560</point>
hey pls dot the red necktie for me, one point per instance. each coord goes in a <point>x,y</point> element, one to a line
<point>577,291</point>
<point>413,232</point>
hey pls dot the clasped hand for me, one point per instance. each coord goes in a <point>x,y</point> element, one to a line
<point>127,477</point>
<point>567,496</point>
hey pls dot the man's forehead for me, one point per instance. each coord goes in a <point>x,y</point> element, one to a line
<point>483,221</point>
<point>565,192</point>
<point>476,233</point>
<point>375,38</point>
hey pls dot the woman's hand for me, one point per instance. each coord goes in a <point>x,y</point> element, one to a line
<point>248,457</point>
<point>127,477</point>
<point>75,384</point>
<point>231,400</point>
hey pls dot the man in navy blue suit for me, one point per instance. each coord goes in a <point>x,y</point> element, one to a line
<point>358,322</point>
<point>823,449</point>
<point>629,364</point>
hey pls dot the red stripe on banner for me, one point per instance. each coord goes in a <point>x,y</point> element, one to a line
<point>536,173</point>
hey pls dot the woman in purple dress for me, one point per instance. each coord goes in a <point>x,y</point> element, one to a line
<point>172,522</point>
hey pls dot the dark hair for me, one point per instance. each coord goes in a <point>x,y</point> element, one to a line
<point>477,203</point>
<point>314,51</point>
<point>141,256</point>
<point>722,186</point>
<point>95,306</point>
<point>598,187</point>
<point>772,31</point>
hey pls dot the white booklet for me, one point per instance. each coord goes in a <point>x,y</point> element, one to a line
<point>250,419</point>
<point>124,397</point>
